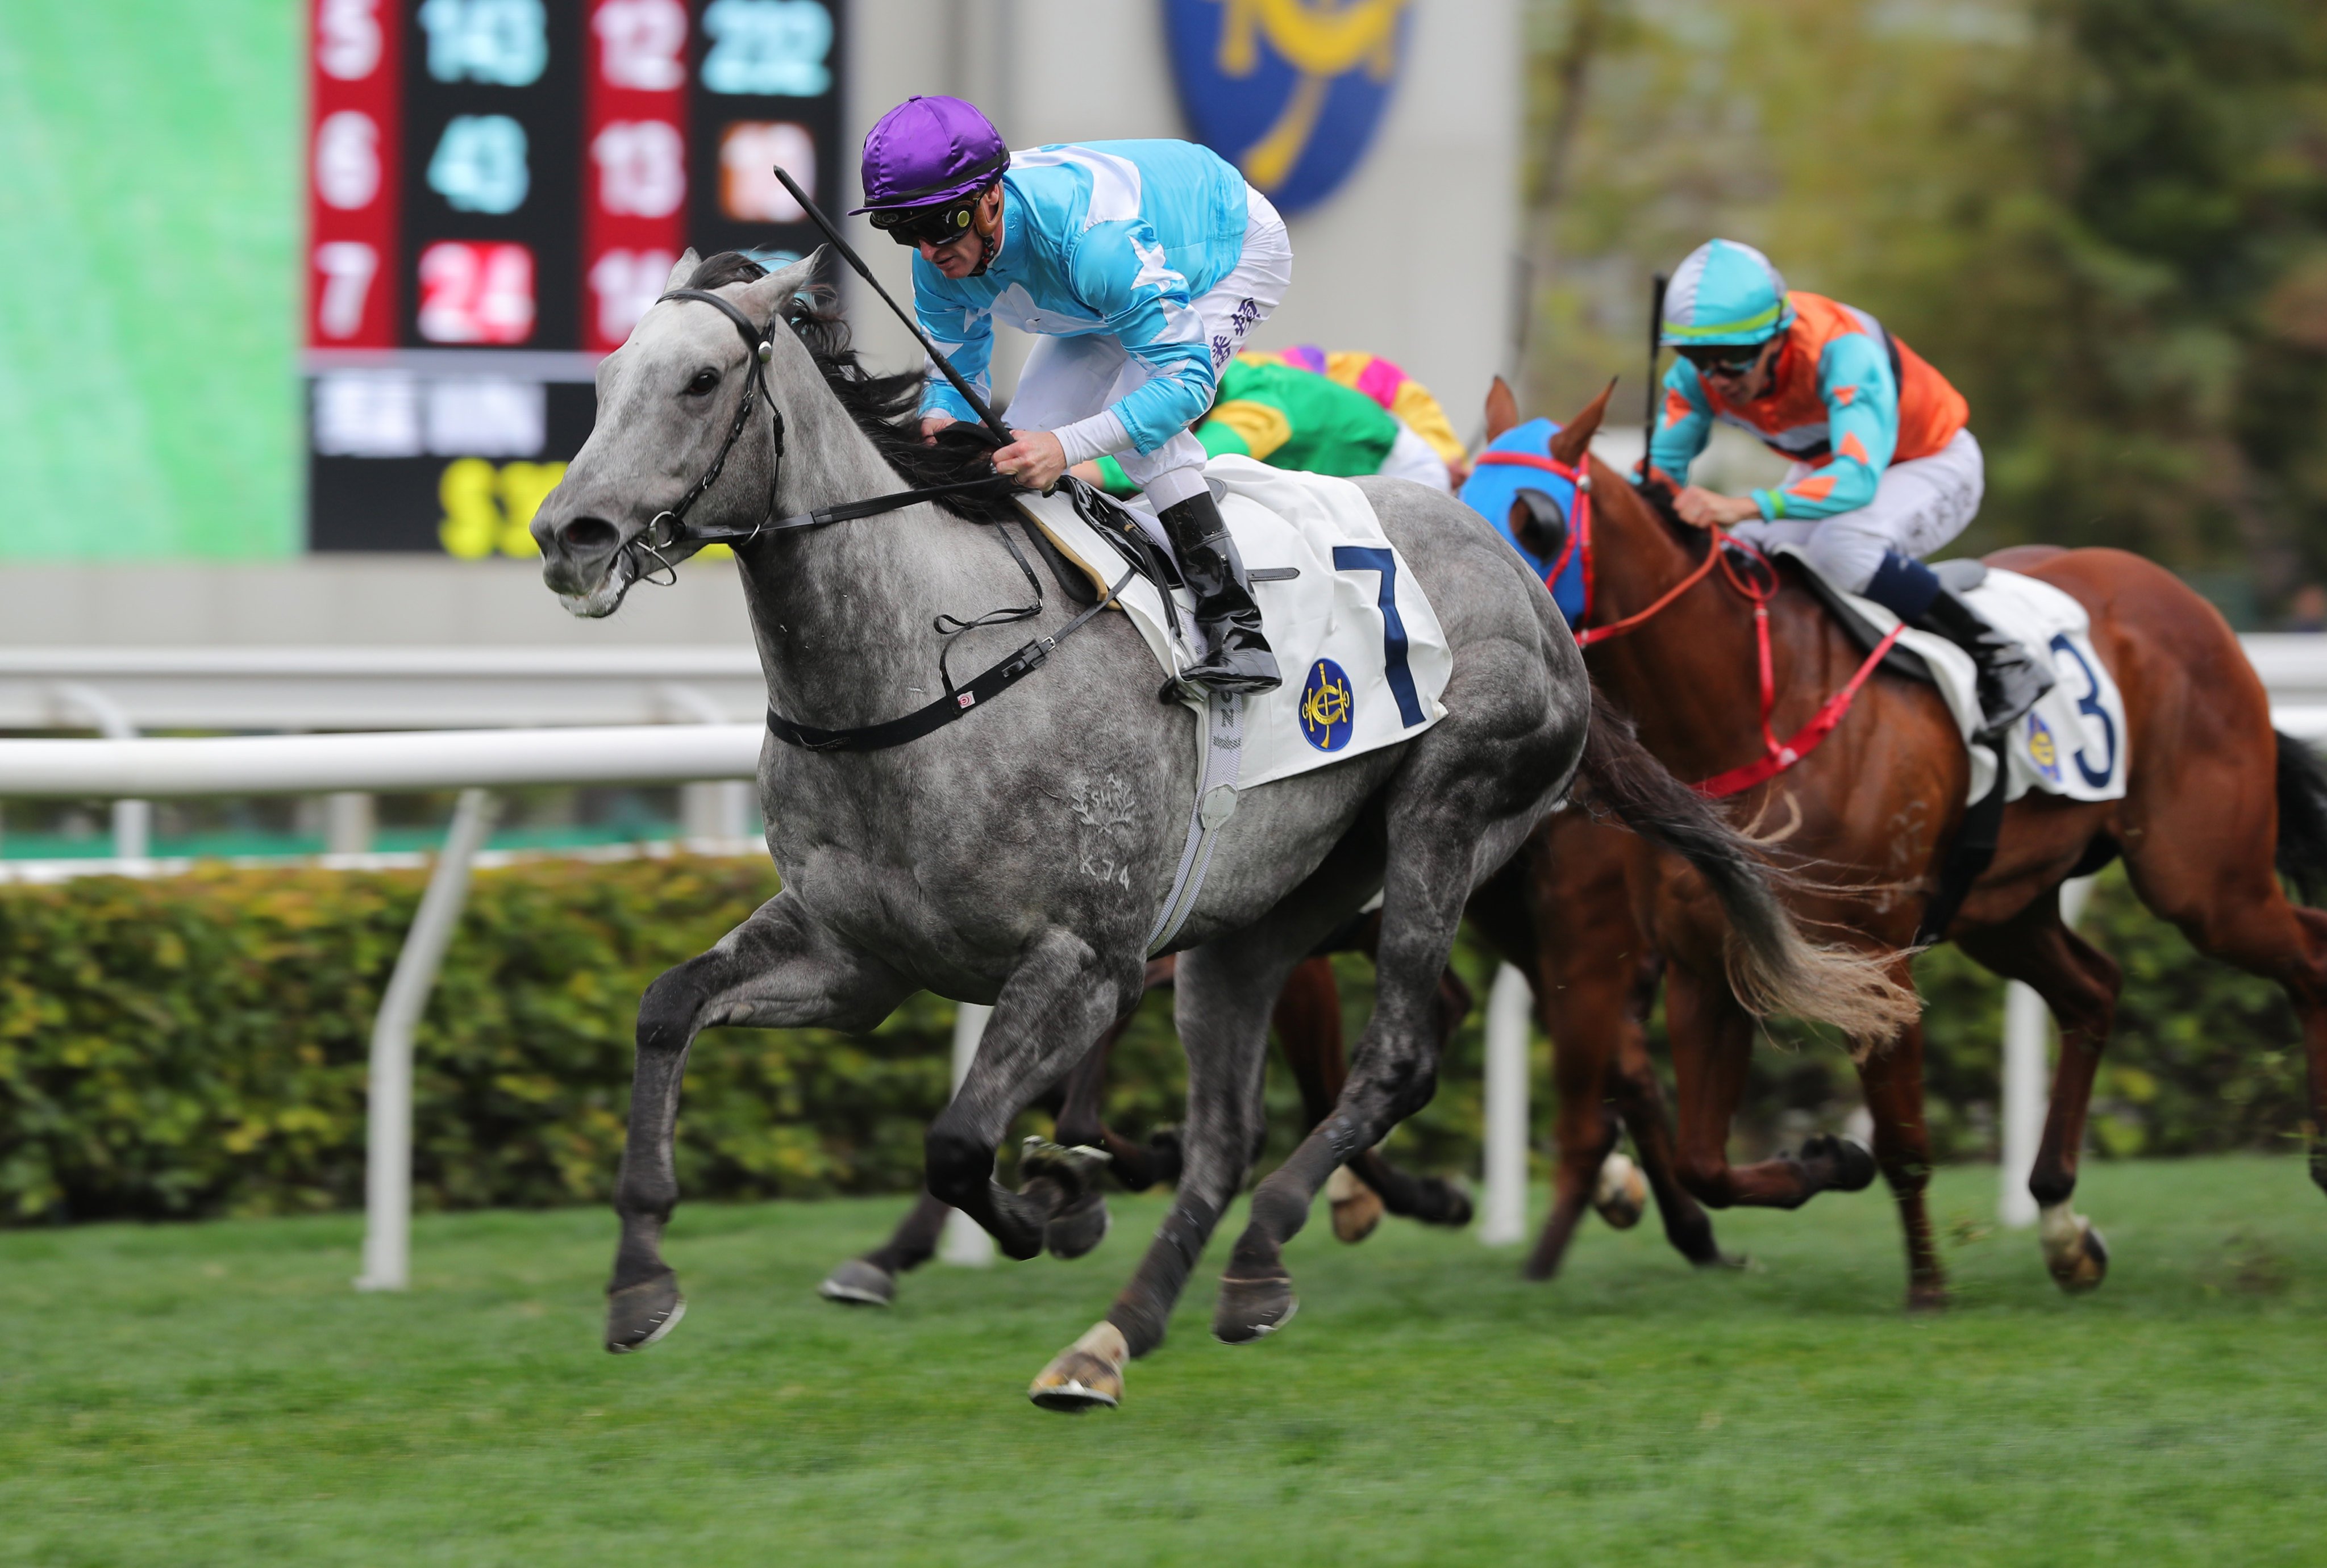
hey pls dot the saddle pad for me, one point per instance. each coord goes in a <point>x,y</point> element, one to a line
<point>2071,744</point>
<point>1363,656</point>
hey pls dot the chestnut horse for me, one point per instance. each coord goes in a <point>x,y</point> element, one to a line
<point>2217,806</point>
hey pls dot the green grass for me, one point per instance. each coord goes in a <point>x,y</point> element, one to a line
<point>217,1394</point>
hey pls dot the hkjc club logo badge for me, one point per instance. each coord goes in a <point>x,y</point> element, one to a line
<point>1327,707</point>
<point>2042,750</point>
<point>1290,91</point>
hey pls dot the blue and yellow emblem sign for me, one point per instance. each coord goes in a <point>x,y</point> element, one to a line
<point>1290,91</point>
<point>1327,707</point>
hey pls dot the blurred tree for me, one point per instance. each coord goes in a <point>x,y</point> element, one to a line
<point>2105,219</point>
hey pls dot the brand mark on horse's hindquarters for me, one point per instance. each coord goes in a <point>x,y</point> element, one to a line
<point>1103,811</point>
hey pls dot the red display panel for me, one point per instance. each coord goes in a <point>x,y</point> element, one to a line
<point>634,170</point>
<point>354,172</point>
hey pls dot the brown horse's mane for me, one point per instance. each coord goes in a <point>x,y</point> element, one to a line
<point>885,407</point>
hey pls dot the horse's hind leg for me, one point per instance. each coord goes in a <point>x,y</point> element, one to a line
<point>2079,984</point>
<point>776,970</point>
<point>871,1280</point>
<point>1225,990</point>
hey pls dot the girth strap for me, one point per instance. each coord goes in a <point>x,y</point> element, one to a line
<point>945,710</point>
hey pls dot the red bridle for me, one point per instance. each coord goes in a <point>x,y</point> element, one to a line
<point>1756,589</point>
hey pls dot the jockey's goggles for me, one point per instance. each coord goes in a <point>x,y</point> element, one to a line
<point>940,225</point>
<point>1728,360</point>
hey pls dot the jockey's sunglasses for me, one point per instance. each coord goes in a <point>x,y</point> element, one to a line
<point>929,225</point>
<point>1727,362</point>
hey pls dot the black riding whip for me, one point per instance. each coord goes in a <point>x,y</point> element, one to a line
<point>1656,347</point>
<point>944,365</point>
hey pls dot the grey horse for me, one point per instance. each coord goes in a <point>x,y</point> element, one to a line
<point>1020,856</point>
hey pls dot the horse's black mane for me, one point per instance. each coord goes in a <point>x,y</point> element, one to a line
<point>884,408</point>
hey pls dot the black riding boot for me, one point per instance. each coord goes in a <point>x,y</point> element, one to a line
<point>2010,681</point>
<point>1238,659</point>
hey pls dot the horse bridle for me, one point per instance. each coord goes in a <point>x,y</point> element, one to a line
<point>669,529</point>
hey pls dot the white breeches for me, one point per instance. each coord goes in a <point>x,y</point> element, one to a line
<point>1071,379</point>
<point>1918,507</point>
<point>1411,457</point>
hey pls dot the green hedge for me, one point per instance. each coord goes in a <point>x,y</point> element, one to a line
<point>197,1046</point>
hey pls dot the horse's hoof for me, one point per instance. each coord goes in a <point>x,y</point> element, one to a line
<point>1074,1170</point>
<point>1357,1208</point>
<point>1927,1298</point>
<point>1088,1375</point>
<point>1167,1157</point>
<point>1741,1262</point>
<point>1620,1196</point>
<point>1453,1209</point>
<point>2074,1251</point>
<point>1078,1227</point>
<point>858,1283</point>
<point>1252,1310</point>
<point>1854,1167</point>
<point>637,1315</point>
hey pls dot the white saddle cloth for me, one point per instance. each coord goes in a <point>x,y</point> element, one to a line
<point>1363,656</point>
<point>2072,743</point>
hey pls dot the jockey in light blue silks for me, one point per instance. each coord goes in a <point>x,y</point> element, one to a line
<point>1142,266</point>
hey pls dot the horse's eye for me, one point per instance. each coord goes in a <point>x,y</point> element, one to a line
<point>705,380</point>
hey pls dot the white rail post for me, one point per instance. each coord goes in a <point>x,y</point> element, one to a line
<point>388,1121</point>
<point>1502,1209</point>
<point>133,820</point>
<point>2027,1029</point>
<point>965,1241</point>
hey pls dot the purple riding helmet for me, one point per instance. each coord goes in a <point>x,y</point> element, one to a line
<point>926,163</point>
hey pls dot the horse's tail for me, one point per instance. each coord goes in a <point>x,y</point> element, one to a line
<point>2302,855</point>
<point>1773,966</point>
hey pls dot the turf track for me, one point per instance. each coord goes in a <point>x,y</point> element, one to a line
<point>216,1394</point>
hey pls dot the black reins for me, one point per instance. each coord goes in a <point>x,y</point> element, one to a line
<point>669,528</point>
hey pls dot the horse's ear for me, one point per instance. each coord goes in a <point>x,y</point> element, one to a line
<point>683,269</point>
<point>1575,438</point>
<point>1502,409</point>
<point>765,296</point>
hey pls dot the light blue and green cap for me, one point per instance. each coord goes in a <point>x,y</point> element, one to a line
<point>1725,292</point>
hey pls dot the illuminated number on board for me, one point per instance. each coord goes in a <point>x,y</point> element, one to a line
<point>643,43</point>
<point>348,267</point>
<point>626,281</point>
<point>502,42</point>
<point>767,47</point>
<point>347,160</point>
<point>488,509</point>
<point>641,168</point>
<point>479,164</point>
<point>347,38</point>
<point>749,190</point>
<point>476,293</point>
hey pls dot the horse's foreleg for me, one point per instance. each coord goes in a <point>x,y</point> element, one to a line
<point>1713,1049</point>
<point>1055,1002</point>
<point>1138,1166</point>
<point>1892,1078</point>
<point>2078,983</point>
<point>1308,1019</point>
<point>1225,991</point>
<point>1640,1097</point>
<point>776,970</point>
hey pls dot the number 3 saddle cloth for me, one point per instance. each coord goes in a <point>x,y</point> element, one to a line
<point>1363,656</point>
<point>2072,743</point>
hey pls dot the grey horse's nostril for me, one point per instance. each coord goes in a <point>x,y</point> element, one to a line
<point>589,535</point>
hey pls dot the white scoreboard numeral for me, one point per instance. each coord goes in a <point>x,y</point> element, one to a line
<point>347,38</point>
<point>347,160</point>
<point>479,164</point>
<point>504,42</point>
<point>476,293</point>
<point>643,43</point>
<point>626,283</point>
<point>348,267</point>
<point>767,47</point>
<point>641,168</point>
